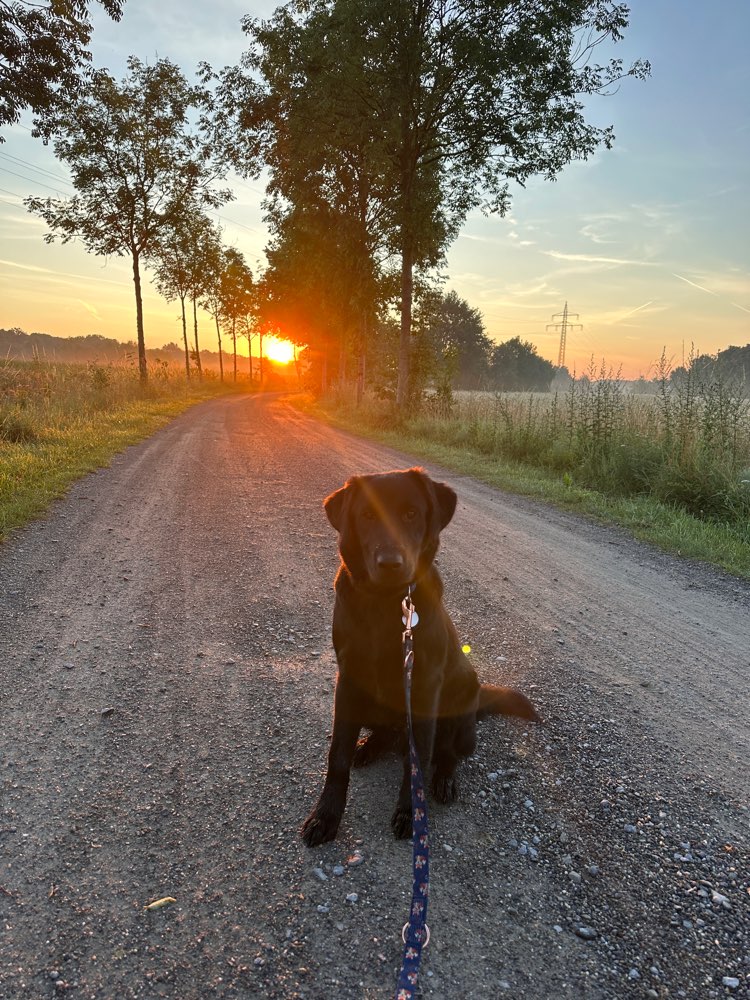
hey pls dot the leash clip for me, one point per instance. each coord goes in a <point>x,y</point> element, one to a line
<point>410,618</point>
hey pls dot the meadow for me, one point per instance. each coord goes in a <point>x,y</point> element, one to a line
<point>60,421</point>
<point>673,466</point>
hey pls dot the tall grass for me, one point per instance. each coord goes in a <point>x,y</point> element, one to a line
<point>39,398</point>
<point>686,446</point>
<point>59,421</point>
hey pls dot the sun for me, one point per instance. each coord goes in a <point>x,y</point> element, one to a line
<point>281,351</point>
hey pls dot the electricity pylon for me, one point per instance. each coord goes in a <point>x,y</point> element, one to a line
<point>563,326</point>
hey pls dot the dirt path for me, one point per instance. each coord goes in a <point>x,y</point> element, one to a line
<point>165,697</point>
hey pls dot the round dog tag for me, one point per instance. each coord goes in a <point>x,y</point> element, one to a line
<point>414,619</point>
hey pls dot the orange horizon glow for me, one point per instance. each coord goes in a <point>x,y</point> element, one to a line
<point>279,350</point>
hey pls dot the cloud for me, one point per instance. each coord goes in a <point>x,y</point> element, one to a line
<point>591,231</point>
<point>26,267</point>
<point>91,309</point>
<point>480,239</point>
<point>618,317</point>
<point>586,258</point>
<point>62,277</point>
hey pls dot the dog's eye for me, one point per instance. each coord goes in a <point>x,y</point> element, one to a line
<point>410,514</point>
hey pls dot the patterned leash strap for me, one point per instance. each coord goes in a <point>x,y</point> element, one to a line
<point>416,933</point>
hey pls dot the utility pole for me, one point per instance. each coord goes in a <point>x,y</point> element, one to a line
<point>563,326</point>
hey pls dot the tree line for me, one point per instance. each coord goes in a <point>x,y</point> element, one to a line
<point>381,125</point>
<point>95,349</point>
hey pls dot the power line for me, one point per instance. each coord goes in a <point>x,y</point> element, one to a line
<point>17,161</point>
<point>30,180</point>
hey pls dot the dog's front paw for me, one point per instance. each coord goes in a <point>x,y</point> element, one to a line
<point>319,827</point>
<point>401,823</point>
<point>444,788</point>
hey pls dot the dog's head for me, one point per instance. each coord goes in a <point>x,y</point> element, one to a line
<point>389,525</point>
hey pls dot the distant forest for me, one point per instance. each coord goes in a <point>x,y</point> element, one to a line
<point>93,348</point>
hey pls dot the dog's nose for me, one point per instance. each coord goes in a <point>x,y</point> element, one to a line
<point>389,560</point>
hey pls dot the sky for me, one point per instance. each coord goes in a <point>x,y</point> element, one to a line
<point>648,243</point>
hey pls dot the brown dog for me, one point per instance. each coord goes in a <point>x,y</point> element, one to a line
<point>389,529</point>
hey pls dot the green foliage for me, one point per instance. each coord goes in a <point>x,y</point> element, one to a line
<point>395,119</point>
<point>43,52</point>
<point>516,366</point>
<point>15,425</point>
<point>457,339</point>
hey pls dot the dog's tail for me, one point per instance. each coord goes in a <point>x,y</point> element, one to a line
<point>494,700</point>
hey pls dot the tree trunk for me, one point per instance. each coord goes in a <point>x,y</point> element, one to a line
<point>218,337</point>
<point>234,346</point>
<point>361,360</point>
<point>142,366</point>
<point>404,350</point>
<point>260,359</point>
<point>324,373</point>
<point>342,363</point>
<point>184,338</point>
<point>250,354</point>
<point>197,350</point>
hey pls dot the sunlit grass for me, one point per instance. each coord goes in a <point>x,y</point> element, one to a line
<point>58,422</point>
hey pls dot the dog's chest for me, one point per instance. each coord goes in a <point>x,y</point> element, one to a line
<point>370,653</point>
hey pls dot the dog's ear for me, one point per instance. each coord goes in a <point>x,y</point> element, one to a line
<point>337,503</point>
<point>441,497</point>
<point>337,507</point>
<point>446,502</point>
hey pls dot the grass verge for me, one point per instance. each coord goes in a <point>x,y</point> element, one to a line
<point>668,527</point>
<point>38,466</point>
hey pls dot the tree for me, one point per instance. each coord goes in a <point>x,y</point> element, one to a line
<point>237,296</point>
<point>516,366</point>
<point>212,268</point>
<point>135,163</point>
<point>177,262</point>
<point>467,95</point>
<point>456,331</point>
<point>312,292</point>
<point>43,51</point>
<point>321,206</point>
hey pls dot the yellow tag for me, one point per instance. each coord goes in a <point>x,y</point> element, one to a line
<point>466,648</point>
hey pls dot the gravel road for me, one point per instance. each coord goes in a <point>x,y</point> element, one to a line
<point>166,677</point>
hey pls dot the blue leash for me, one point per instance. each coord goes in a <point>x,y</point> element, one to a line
<point>416,933</point>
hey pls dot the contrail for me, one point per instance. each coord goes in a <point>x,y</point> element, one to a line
<point>708,290</point>
<point>636,310</point>
<point>689,282</point>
